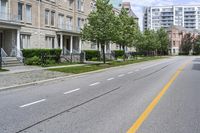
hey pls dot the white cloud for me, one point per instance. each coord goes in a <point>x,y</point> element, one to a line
<point>138,5</point>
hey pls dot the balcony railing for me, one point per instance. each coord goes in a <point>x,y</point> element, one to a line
<point>9,17</point>
<point>67,27</point>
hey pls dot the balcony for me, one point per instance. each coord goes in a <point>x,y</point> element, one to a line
<point>65,27</point>
<point>9,18</point>
<point>166,14</point>
<point>190,18</point>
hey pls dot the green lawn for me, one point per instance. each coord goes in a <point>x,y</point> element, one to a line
<point>88,68</point>
<point>60,64</point>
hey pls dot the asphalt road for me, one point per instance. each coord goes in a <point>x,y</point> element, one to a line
<point>108,102</point>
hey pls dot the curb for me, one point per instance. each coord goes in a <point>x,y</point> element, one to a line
<point>69,76</point>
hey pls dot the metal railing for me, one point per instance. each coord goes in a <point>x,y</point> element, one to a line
<point>3,54</point>
<point>18,53</point>
<point>74,51</point>
<point>67,27</point>
<point>66,51</point>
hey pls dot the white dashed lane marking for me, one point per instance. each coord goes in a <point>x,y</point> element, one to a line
<point>110,79</point>
<point>121,75</point>
<point>94,84</point>
<point>29,104</point>
<point>72,91</point>
<point>129,72</point>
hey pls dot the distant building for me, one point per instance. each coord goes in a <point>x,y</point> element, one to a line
<point>116,3</point>
<point>165,16</point>
<point>127,6</point>
<point>176,34</point>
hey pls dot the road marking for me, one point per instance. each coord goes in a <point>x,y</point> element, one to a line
<point>72,91</point>
<point>155,101</point>
<point>110,79</point>
<point>94,84</point>
<point>129,72</point>
<point>121,75</point>
<point>29,104</point>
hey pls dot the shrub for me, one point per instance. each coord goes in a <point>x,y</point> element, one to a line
<point>47,54</point>
<point>48,61</point>
<point>33,61</point>
<point>92,54</point>
<point>118,53</point>
<point>183,53</point>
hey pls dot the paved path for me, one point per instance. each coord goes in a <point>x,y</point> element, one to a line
<point>19,69</point>
<point>27,74</point>
<point>109,101</point>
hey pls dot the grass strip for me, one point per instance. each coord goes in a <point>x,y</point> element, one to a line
<point>94,67</point>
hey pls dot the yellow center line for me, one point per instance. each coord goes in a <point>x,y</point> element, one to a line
<point>155,101</point>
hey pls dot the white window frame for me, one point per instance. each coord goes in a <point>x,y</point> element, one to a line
<point>46,18</point>
<point>25,41</point>
<point>29,14</point>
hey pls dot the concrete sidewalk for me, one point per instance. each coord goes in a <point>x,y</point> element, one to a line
<point>21,75</point>
<point>20,69</point>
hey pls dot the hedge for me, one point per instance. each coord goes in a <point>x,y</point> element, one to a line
<point>90,54</point>
<point>51,54</point>
<point>118,53</point>
<point>183,53</point>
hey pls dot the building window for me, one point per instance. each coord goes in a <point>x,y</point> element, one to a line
<point>61,21</point>
<point>70,3</point>
<point>3,9</point>
<point>174,43</point>
<point>28,13</point>
<point>174,51</point>
<point>80,5</point>
<point>46,17</point>
<point>79,24</point>
<point>93,45</point>
<point>24,41</point>
<point>50,42</point>
<point>117,46</point>
<point>69,23</point>
<point>52,18</point>
<point>20,10</point>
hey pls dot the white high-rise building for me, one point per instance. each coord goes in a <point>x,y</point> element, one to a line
<point>187,16</point>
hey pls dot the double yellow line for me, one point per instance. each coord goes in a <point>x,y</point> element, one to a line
<point>155,101</point>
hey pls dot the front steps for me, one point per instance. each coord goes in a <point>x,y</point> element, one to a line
<point>11,61</point>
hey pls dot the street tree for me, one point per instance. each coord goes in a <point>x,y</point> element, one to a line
<point>163,38</point>
<point>100,26</point>
<point>196,48</point>
<point>187,43</point>
<point>125,29</point>
<point>151,42</point>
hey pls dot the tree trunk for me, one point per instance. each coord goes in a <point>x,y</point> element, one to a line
<point>124,58</point>
<point>103,50</point>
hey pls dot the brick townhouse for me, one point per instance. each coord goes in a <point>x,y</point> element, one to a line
<point>176,34</point>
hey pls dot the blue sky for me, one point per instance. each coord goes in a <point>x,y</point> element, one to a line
<point>137,5</point>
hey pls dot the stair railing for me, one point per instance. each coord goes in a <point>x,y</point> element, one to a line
<point>3,54</point>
